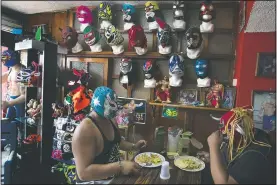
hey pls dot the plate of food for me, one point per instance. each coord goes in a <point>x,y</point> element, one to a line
<point>149,159</point>
<point>189,163</point>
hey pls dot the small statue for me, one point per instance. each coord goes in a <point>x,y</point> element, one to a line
<point>128,15</point>
<point>84,16</point>
<point>215,95</point>
<point>105,15</point>
<point>162,93</point>
<point>70,40</point>
<point>92,39</point>
<point>114,39</point>
<point>178,14</point>
<point>34,110</point>
<point>195,42</point>
<point>206,15</point>
<point>152,11</point>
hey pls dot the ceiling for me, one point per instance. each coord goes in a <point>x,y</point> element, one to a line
<point>32,7</point>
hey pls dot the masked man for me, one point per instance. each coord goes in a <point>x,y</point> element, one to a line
<point>96,142</point>
<point>15,94</point>
<point>239,153</point>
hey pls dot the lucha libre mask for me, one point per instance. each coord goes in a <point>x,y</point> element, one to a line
<point>84,15</point>
<point>113,36</point>
<point>164,33</point>
<point>207,12</point>
<point>137,37</point>
<point>104,102</point>
<point>178,10</point>
<point>105,11</point>
<point>194,38</point>
<point>128,12</point>
<point>148,69</point>
<point>9,58</point>
<point>151,8</point>
<point>125,66</point>
<point>70,37</point>
<point>91,35</point>
<point>201,68</point>
<point>176,65</point>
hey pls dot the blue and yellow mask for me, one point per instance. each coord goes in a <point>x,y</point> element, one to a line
<point>9,58</point>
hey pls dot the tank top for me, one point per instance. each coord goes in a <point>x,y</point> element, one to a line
<point>110,153</point>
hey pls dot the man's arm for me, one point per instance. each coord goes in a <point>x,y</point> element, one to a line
<point>218,170</point>
<point>126,146</point>
<point>84,151</point>
<point>5,77</point>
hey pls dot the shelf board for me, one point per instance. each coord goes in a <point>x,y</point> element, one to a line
<point>188,107</point>
<point>109,54</point>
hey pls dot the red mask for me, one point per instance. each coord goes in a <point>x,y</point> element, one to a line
<point>137,37</point>
<point>70,37</point>
<point>84,15</point>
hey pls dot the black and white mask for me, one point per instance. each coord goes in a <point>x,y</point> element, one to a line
<point>178,10</point>
<point>194,38</point>
<point>125,66</point>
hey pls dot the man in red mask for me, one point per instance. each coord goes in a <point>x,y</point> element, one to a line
<point>240,153</point>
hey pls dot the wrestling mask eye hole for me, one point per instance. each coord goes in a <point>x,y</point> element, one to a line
<point>203,8</point>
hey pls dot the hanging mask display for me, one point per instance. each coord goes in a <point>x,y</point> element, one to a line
<point>114,39</point>
<point>206,15</point>
<point>9,58</point>
<point>125,66</point>
<point>164,35</point>
<point>84,16</point>
<point>176,70</point>
<point>70,39</point>
<point>149,70</point>
<point>137,39</point>
<point>128,15</point>
<point>195,42</point>
<point>104,102</point>
<point>152,11</point>
<point>92,38</point>
<point>105,14</point>
<point>178,15</point>
<point>201,69</point>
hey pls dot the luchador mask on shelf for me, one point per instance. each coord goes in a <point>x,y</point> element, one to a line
<point>84,15</point>
<point>128,12</point>
<point>69,36</point>
<point>201,68</point>
<point>164,33</point>
<point>148,69</point>
<point>137,39</point>
<point>178,10</point>
<point>91,35</point>
<point>207,11</point>
<point>9,58</point>
<point>151,9</point>
<point>194,38</point>
<point>125,65</point>
<point>113,36</point>
<point>105,11</point>
<point>176,65</point>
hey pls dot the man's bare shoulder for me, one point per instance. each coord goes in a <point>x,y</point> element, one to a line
<point>86,129</point>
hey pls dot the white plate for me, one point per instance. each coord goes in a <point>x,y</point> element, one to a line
<point>153,165</point>
<point>192,158</point>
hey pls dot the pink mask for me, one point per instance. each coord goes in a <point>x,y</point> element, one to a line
<point>84,15</point>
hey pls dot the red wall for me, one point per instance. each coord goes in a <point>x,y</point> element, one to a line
<point>248,45</point>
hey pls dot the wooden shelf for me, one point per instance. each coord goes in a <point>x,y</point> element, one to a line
<point>188,107</point>
<point>109,54</point>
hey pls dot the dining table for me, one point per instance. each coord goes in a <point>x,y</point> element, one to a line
<point>152,176</point>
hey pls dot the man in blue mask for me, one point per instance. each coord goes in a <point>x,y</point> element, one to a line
<point>15,94</point>
<point>96,142</point>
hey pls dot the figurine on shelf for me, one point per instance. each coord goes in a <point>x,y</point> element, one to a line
<point>195,42</point>
<point>201,69</point>
<point>149,69</point>
<point>70,40</point>
<point>105,14</point>
<point>34,111</point>
<point>206,15</point>
<point>59,110</point>
<point>178,14</point>
<point>152,11</point>
<point>114,39</point>
<point>215,95</point>
<point>92,38</point>
<point>176,70</point>
<point>137,39</point>
<point>128,15</point>
<point>125,76</point>
<point>84,16</point>
<point>164,36</point>
<point>163,91</point>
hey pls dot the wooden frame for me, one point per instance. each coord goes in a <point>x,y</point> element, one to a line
<point>186,90</point>
<point>234,92</point>
<point>104,61</point>
<point>263,59</point>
